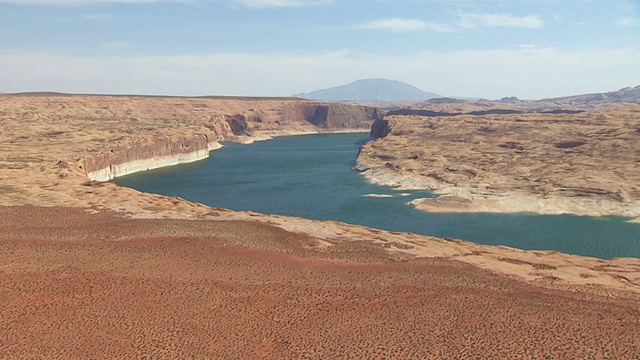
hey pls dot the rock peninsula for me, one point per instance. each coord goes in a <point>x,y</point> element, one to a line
<point>92,269</point>
<point>583,163</point>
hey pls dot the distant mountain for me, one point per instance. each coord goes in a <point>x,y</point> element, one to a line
<point>370,90</point>
<point>561,105</point>
<point>626,95</point>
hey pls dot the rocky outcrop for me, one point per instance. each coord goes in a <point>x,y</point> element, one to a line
<point>552,163</point>
<point>380,128</point>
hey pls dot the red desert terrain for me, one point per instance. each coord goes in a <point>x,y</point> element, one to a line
<point>76,285</point>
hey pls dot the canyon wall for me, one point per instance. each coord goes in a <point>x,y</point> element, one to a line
<point>298,117</point>
<point>117,135</point>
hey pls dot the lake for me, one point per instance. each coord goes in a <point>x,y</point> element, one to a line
<point>310,176</point>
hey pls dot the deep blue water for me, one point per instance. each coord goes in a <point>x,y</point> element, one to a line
<point>311,177</point>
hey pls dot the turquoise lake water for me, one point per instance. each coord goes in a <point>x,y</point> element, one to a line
<point>311,177</point>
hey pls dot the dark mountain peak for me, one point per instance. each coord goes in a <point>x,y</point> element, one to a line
<point>370,90</point>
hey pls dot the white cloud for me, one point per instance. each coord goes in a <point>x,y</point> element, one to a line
<point>629,22</point>
<point>116,45</point>
<point>404,25</point>
<point>470,20</point>
<point>467,21</point>
<point>281,3</point>
<point>98,17</point>
<point>527,73</point>
<point>557,16</point>
<point>243,3</point>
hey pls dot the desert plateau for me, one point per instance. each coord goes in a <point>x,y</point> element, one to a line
<point>90,269</point>
<point>583,163</point>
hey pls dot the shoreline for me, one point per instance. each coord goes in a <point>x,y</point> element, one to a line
<point>131,167</point>
<point>462,200</point>
<point>160,161</point>
<point>272,134</point>
<point>466,200</point>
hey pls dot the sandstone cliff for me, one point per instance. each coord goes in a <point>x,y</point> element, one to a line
<point>342,116</point>
<point>149,153</point>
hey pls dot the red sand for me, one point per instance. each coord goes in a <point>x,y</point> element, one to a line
<point>74,285</point>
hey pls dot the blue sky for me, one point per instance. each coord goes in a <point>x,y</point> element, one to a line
<point>487,48</point>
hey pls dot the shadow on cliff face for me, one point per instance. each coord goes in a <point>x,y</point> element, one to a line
<point>341,116</point>
<point>380,128</point>
<point>320,116</point>
<point>237,123</point>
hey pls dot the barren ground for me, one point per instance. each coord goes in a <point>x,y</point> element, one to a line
<point>101,286</point>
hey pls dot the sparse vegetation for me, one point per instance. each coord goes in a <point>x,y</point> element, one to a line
<point>103,286</point>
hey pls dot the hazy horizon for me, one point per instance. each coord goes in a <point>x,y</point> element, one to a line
<point>489,49</point>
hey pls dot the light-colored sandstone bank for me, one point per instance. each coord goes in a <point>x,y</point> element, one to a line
<point>148,163</point>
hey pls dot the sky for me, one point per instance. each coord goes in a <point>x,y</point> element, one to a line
<point>531,49</point>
